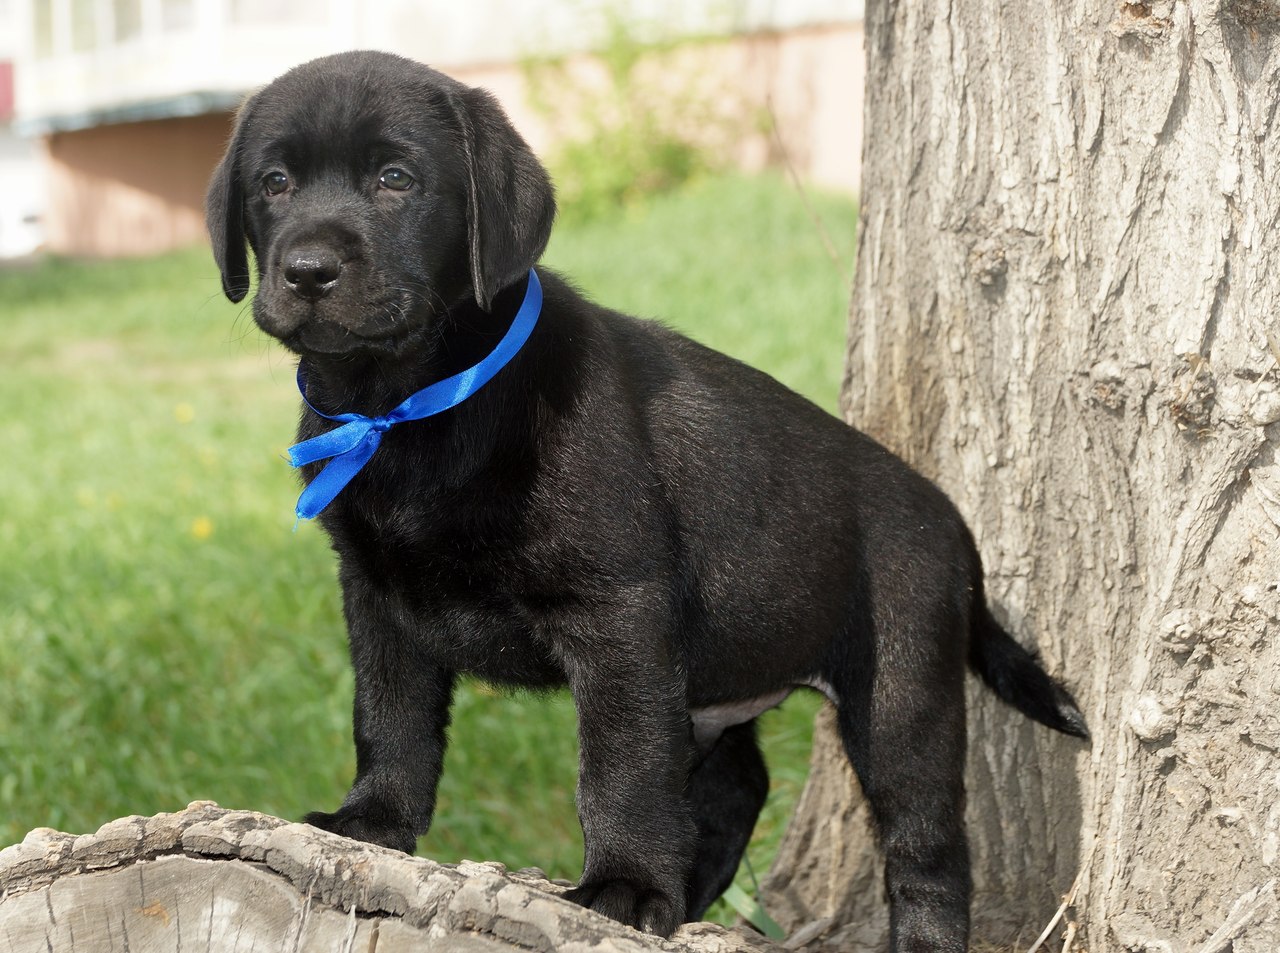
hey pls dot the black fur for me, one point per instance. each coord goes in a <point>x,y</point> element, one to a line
<point>673,535</point>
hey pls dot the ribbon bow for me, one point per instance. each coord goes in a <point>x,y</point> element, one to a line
<point>355,442</point>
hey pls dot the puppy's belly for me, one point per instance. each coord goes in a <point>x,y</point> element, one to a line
<point>710,721</point>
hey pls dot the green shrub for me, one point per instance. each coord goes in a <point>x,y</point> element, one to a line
<point>641,116</point>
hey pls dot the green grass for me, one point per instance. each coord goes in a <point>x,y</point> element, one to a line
<point>164,637</point>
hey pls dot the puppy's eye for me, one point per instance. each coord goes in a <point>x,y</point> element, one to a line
<point>273,183</point>
<point>395,179</point>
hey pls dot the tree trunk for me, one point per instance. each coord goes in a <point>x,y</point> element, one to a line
<point>234,881</point>
<point>1066,314</point>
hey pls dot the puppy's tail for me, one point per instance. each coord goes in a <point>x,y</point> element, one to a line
<point>1013,673</point>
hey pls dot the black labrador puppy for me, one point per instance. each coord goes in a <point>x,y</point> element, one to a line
<point>673,535</point>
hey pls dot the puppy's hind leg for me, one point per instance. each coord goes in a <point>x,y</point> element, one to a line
<point>727,790</point>
<point>902,722</point>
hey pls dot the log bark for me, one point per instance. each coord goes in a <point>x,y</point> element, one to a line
<point>224,881</point>
<point>1065,313</point>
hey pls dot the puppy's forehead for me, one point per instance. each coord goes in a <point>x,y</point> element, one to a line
<point>351,104</point>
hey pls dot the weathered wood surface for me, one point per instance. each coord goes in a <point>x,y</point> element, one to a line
<point>218,881</point>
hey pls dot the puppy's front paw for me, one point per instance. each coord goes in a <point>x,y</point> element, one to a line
<point>362,828</point>
<point>633,904</point>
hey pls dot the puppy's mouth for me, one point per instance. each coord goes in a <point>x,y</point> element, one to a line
<point>325,328</point>
<point>319,336</point>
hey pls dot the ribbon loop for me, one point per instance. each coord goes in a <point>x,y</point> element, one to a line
<point>351,446</point>
<point>337,441</point>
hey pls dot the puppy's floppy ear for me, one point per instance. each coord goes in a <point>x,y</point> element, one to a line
<point>511,203</point>
<point>224,215</point>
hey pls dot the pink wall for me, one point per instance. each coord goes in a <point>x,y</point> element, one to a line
<point>131,188</point>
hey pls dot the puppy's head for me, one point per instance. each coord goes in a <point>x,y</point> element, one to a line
<point>376,193</point>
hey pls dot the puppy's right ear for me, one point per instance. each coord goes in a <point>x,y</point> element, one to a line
<point>224,215</point>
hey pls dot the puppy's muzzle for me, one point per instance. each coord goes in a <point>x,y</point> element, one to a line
<point>311,272</point>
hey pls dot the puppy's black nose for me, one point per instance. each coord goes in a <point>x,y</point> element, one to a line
<point>311,272</point>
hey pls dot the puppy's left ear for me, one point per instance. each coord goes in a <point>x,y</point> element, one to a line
<point>511,203</point>
<point>224,216</point>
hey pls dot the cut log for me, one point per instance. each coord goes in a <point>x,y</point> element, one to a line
<point>215,880</point>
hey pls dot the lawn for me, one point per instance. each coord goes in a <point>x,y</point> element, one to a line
<point>165,637</point>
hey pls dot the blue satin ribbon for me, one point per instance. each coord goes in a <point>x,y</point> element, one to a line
<point>351,445</point>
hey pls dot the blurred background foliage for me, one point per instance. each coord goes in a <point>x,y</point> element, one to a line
<point>644,114</point>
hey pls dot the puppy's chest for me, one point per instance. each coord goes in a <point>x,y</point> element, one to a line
<point>477,599</point>
<point>479,624</point>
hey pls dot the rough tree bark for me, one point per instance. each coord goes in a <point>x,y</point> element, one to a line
<point>1066,313</point>
<point>222,881</point>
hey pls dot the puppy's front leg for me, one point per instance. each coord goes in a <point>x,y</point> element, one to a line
<point>401,711</point>
<point>638,828</point>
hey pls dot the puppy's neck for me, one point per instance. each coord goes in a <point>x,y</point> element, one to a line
<point>372,384</point>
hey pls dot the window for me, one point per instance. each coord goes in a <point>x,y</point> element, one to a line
<point>177,14</point>
<point>84,25</point>
<point>278,11</point>
<point>43,14</point>
<point>128,19</point>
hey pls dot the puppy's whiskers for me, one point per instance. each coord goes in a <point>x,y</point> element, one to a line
<point>242,329</point>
